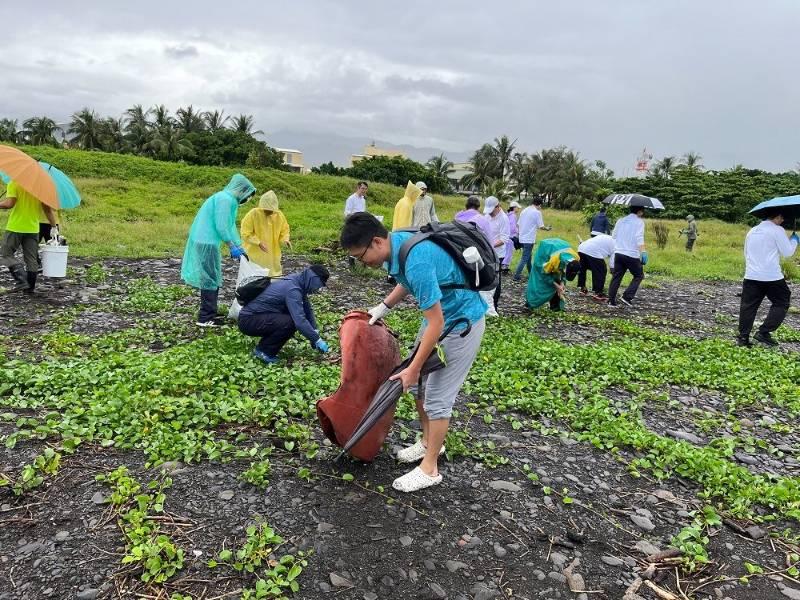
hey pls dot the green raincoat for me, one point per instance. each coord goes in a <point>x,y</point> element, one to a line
<point>549,264</point>
<point>214,225</point>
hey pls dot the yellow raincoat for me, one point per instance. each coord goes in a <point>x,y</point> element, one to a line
<point>265,225</point>
<point>404,209</point>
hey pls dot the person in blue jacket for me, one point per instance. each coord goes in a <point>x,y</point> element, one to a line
<point>281,309</point>
<point>214,225</point>
<point>600,224</point>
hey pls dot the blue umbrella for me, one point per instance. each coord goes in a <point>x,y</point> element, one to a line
<point>789,205</point>
<point>68,196</point>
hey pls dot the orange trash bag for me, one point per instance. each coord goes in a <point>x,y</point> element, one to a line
<point>369,355</point>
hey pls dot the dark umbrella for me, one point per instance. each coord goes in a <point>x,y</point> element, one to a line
<point>634,200</point>
<point>390,391</point>
<point>788,206</point>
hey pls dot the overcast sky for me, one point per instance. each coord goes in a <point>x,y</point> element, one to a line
<point>604,77</point>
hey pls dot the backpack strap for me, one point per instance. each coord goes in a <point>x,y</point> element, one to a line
<point>420,235</point>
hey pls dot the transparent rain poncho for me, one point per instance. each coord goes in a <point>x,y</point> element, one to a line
<point>214,224</point>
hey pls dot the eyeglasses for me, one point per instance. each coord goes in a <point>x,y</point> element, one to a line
<point>361,256</point>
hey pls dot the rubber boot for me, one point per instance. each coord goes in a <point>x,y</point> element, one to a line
<point>31,279</point>
<point>18,273</point>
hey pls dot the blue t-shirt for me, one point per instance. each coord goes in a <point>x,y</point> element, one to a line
<point>428,267</point>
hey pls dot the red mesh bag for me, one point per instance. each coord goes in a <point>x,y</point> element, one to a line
<point>369,355</point>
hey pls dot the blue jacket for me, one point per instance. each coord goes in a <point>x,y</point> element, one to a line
<point>289,295</point>
<point>600,223</point>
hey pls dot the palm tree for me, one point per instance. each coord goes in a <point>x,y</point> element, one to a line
<point>692,160</point>
<point>484,167</point>
<point>189,120</point>
<point>215,120</point>
<point>575,184</point>
<point>439,165</point>
<point>503,150</point>
<point>161,116</point>
<point>138,129</point>
<point>522,173</point>
<point>9,130</point>
<point>169,144</point>
<point>112,134</point>
<point>39,131</point>
<point>496,188</point>
<point>244,124</point>
<point>665,167</point>
<point>86,127</point>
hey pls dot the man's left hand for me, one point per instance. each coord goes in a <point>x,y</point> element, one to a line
<point>408,377</point>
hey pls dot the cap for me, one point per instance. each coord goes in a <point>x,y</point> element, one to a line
<point>490,204</point>
<point>421,185</point>
<point>514,204</point>
<point>321,272</point>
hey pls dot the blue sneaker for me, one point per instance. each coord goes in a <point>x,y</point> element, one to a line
<point>264,357</point>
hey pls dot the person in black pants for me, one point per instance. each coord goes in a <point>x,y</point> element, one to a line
<point>281,309</point>
<point>622,264</point>
<point>598,268</point>
<point>763,247</point>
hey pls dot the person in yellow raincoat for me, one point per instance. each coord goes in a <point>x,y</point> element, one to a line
<point>404,209</point>
<point>264,229</point>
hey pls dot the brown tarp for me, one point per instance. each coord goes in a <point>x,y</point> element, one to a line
<point>369,355</point>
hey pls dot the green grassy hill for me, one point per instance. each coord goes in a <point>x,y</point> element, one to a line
<point>137,207</point>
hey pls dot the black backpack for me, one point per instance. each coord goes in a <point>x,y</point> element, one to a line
<point>251,288</point>
<point>454,238</point>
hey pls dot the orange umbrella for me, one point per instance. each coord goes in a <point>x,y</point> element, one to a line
<point>29,175</point>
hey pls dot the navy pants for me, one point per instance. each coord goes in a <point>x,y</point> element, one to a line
<point>622,264</point>
<point>275,329</point>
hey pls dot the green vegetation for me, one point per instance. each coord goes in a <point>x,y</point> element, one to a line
<point>137,207</point>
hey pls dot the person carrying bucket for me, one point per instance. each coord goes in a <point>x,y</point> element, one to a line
<point>22,231</point>
<point>214,224</point>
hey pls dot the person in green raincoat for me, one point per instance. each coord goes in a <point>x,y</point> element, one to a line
<point>553,263</point>
<point>214,225</point>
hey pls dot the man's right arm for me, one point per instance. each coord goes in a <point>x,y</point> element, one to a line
<point>786,246</point>
<point>8,203</point>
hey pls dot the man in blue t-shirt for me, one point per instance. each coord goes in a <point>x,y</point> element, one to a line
<point>428,273</point>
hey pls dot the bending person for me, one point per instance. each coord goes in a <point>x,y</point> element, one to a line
<point>553,264</point>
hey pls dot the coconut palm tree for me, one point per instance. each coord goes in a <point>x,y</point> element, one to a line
<point>665,167</point>
<point>215,120</point>
<point>86,129</point>
<point>244,124</point>
<point>39,131</point>
<point>112,134</point>
<point>575,185</point>
<point>496,188</point>
<point>189,120</point>
<point>522,174</point>
<point>161,116</point>
<point>168,143</point>
<point>692,160</point>
<point>484,167</point>
<point>503,150</point>
<point>9,130</point>
<point>138,128</point>
<point>439,165</point>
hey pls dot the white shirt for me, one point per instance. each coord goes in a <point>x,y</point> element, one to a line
<point>530,221</point>
<point>628,235</point>
<point>355,203</point>
<point>600,246</point>
<point>501,232</point>
<point>763,247</point>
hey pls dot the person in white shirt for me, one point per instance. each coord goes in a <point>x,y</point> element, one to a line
<point>629,255</point>
<point>529,223</point>
<point>357,201</point>
<point>501,233</point>
<point>764,246</point>
<point>592,254</point>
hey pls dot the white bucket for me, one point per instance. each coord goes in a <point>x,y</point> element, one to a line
<point>54,261</point>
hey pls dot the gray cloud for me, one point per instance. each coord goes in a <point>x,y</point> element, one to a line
<point>605,77</point>
<point>181,51</point>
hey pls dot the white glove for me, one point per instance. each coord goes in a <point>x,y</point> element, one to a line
<point>378,312</point>
<point>54,233</point>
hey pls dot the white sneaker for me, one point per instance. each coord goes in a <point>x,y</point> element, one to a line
<point>415,480</point>
<point>206,324</point>
<point>414,453</point>
<point>492,313</point>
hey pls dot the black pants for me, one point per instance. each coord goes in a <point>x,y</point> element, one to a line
<point>275,330</point>
<point>208,305</point>
<point>555,302</point>
<point>622,264</point>
<point>598,268</point>
<point>753,293</point>
<point>497,289</point>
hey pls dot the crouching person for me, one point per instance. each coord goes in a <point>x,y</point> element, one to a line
<point>281,309</point>
<point>429,275</point>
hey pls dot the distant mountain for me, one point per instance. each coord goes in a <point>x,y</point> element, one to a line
<point>318,148</point>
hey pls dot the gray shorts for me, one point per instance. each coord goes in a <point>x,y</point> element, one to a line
<point>440,388</point>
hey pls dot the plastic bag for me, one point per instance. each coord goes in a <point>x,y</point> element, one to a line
<point>247,270</point>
